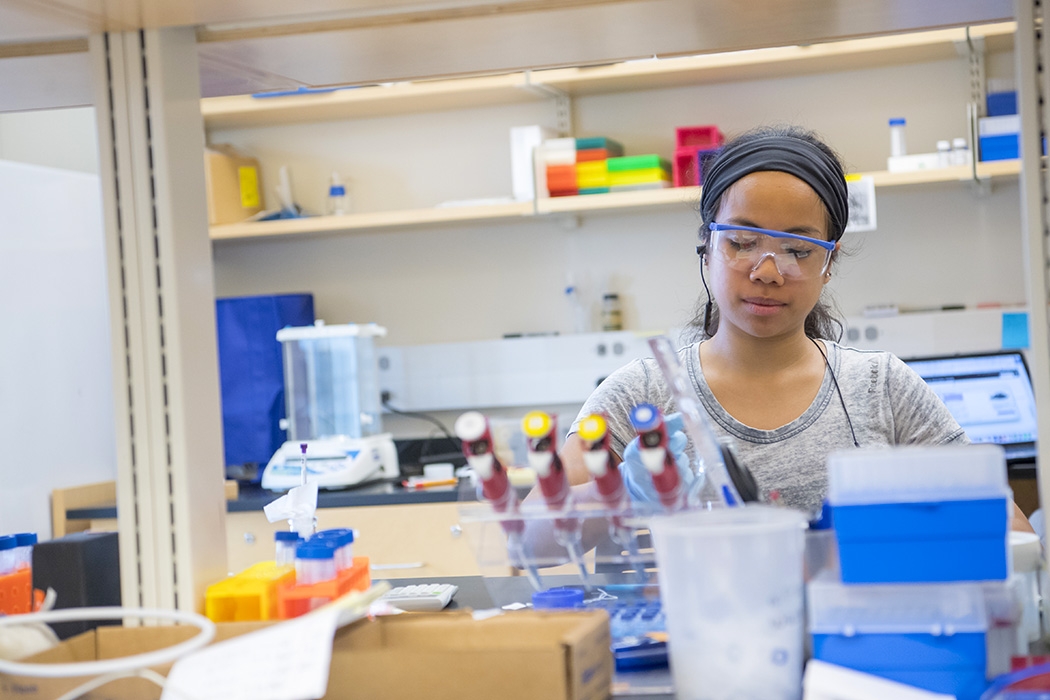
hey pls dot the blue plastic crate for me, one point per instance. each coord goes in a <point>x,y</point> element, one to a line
<point>999,147</point>
<point>1001,103</point>
<point>935,541</point>
<point>953,664</point>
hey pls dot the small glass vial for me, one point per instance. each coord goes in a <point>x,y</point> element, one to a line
<point>898,145</point>
<point>338,201</point>
<point>314,562</point>
<point>612,317</point>
<point>285,544</point>
<point>8,543</point>
<point>24,541</point>
<point>944,153</point>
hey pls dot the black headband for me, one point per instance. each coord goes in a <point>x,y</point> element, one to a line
<point>784,153</point>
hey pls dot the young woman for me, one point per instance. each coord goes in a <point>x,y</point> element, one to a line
<point>767,367</point>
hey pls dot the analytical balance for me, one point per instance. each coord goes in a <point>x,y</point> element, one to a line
<point>333,407</point>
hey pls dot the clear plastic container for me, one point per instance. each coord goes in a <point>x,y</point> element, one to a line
<point>942,612</point>
<point>732,593</point>
<point>915,474</point>
<point>285,544</point>
<point>342,541</point>
<point>898,144</point>
<point>314,562</point>
<point>331,381</point>
<point>338,199</point>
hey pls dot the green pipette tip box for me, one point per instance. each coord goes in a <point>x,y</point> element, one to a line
<point>638,163</point>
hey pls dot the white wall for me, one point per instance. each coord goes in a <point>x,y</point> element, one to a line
<point>56,394</point>
<point>936,244</point>
<point>56,138</point>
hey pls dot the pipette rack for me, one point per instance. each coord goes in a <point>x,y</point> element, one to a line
<point>607,561</point>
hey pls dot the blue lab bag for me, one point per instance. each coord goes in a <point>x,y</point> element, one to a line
<point>251,376</point>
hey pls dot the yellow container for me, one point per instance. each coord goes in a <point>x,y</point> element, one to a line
<point>249,595</point>
<point>638,177</point>
<point>591,174</point>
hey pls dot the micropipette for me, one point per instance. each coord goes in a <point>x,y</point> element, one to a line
<point>472,428</point>
<point>539,429</point>
<point>721,480</point>
<point>597,456</point>
<point>656,454</point>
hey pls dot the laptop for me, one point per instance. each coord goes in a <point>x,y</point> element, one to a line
<point>990,395</point>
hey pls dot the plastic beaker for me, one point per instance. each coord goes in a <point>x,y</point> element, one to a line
<point>732,593</point>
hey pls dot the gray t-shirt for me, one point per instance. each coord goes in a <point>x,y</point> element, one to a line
<point>887,403</point>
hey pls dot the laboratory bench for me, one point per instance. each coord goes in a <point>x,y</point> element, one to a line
<point>403,532</point>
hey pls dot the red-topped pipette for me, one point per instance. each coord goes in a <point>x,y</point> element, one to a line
<point>593,432</point>
<point>472,428</point>
<point>540,437</point>
<point>654,449</point>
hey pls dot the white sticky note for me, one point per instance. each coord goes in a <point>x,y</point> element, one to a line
<point>288,661</point>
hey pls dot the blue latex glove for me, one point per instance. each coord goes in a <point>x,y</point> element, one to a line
<point>639,480</point>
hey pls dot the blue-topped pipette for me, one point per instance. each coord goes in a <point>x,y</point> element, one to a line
<point>655,450</point>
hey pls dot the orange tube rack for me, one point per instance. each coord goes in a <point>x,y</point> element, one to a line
<point>295,600</point>
<point>16,592</point>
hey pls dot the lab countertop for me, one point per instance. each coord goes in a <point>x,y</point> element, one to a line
<point>253,497</point>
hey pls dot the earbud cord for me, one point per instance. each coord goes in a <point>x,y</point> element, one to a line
<point>700,250</point>
<point>835,381</point>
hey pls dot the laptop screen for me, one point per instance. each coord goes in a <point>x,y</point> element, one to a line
<point>990,395</point>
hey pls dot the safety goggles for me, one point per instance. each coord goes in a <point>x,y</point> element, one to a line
<point>744,248</point>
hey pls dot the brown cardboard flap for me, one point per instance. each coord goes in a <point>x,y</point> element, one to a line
<point>439,656</point>
<point>518,631</point>
<point>451,656</point>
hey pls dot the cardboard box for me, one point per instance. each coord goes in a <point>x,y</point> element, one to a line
<point>448,655</point>
<point>234,185</point>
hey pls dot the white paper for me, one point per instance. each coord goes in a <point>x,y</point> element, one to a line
<point>298,505</point>
<point>861,203</point>
<point>288,661</point>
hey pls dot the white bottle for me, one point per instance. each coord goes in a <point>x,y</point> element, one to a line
<point>898,146</point>
<point>338,201</point>
<point>960,151</point>
<point>944,153</point>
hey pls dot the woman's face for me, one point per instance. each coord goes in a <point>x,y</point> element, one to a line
<point>762,302</point>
